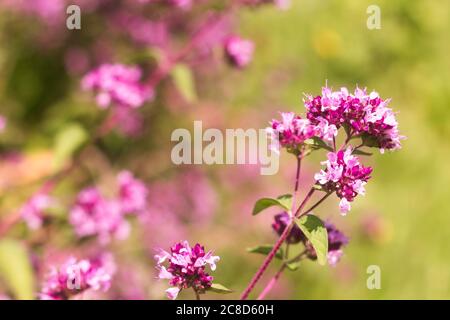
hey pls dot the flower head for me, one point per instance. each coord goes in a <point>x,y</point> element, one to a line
<point>362,114</point>
<point>186,268</point>
<point>344,175</point>
<point>93,215</point>
<point>32,211</point>
<point>239,51</point>
<point>290,132</point>
<point>74,277</point>
<point>132,193</point>
<point>117,84</point>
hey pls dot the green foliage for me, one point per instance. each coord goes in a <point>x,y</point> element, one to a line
<point>184,81</point>
<point>219,288</point>
<point>16,270</point>
<point>265,250</point>
<point>315,231</point>
<point>283,201</point>
<point>67,141</point>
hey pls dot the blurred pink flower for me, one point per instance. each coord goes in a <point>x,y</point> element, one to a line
<point>129,121</point>
<point>189,196</point>
<point>132,193</point>
<point>32,211</point>
<point>93,215</point>
<point>74,277</point>
<point>117,84</point>
<point>239,51</point>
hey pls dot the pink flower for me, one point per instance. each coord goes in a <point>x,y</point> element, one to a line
<point>333,257</point>
<point>33,210</point>
<point>117,84</point>
<point>186,268</point>
<point>363,115</point>
<point>345,176</point>
<point>92,215</point>
<point>132,193</point>
<point>74,277</point>
<point>239,51</point>
<point>290,132</point>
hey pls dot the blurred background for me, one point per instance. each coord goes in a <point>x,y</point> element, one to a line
<point>54,126</point>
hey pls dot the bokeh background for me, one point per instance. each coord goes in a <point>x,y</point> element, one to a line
<point>400,225</point>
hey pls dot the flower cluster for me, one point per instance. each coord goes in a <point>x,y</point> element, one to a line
<point>239,51</point>
<point>344,175</point>
<point>336,239</point>
<point>117,84</point>
<point>292,131</point>
<point>186,268</point>
<point>74,277</point>
<point>94,215</point>
<point>32,212</point>
<point>361,114</point>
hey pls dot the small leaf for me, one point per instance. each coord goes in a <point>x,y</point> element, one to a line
<point>265,250</point>
<point>316,142</point>
<point>284,201</point>
<point>16,270</point>
<point>318,187</point>
<point>68,141</point>
<point>293,265</point>
<point>315,231</point>
<point>184,81</point>
<point>219,288</point>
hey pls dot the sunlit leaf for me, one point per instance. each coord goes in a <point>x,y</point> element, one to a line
<point>265,250</point>
<point>184,81</point>
<point>16,270</point>
<point>219,288</point>
<point>68,141</point>
<point>317,234</point>
<point>284,202</point>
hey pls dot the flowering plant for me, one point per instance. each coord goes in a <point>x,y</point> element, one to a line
<point>76,233</point>
<point>363,117</point>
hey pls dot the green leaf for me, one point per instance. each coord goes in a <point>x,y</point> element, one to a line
<point>318,186</point>
<point>293,265</point>
<point>316,142</point>
<point>68,141</point>
<point>265,250</point>
<point>16,270</point>
<point>317,234</point>
<point>284,201</point>
<point>219,288</point>
<point>184,81</point>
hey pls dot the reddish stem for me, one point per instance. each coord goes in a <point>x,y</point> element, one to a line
<point>274,250</point>
<point>271,283</point>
